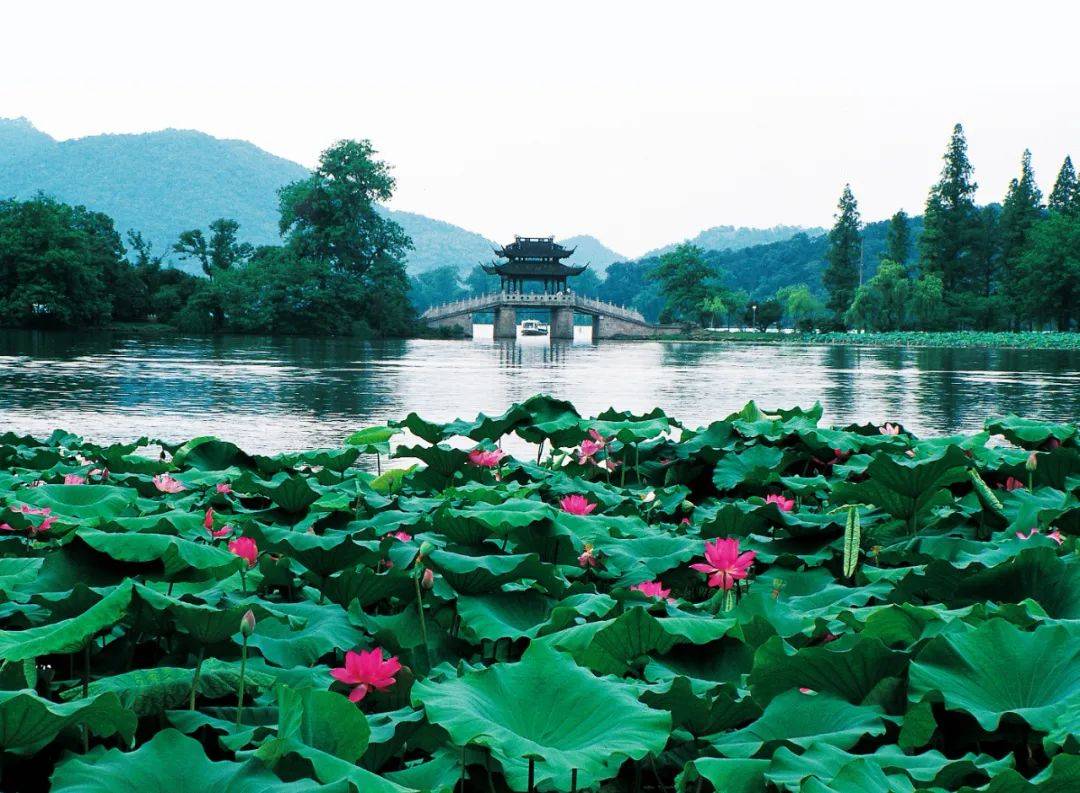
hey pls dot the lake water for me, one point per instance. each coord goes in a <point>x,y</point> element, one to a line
<point>274,394</point>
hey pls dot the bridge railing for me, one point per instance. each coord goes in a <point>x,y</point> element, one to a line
<point>538,299</point>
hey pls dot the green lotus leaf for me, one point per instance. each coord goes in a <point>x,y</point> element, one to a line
<point>574,720</point>
<point>291,492</point>
<point>326,629</point>
<point>1061,776</point>
<point>372,440</point>
<point>84,503</point>
<point>102,771</point>
<point>1030,433</point>
<point>849,672</point>
<point>794,719</point>
<point>175,554</point>
<point>146,692</point>
<point>731,775</point>
<point>323,554</point>
<point>27,720</point>
<point>702,713</point>
<point>505,615</point>
<point>474,575</point>
<point>209,454</point>
<point>1036,573</point>
<point>998,669</point>
<point>757,466</point>
<point>66,636</point>
<point>906,489</point>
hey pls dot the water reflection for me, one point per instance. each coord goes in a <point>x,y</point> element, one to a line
<point>278,393</point>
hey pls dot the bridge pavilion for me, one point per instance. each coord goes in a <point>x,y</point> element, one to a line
<point>533,259</point>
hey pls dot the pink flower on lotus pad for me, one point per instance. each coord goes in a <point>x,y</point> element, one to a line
<point>74,479</point>
<point>246,549</point>
<point>404,536</point>
<point>576,505</point>
<point>166,484</point>
<point>483,458</point>
<point>588,451</point>
<point>587,558</point>
<point>224,488</point>
<point>890,429</point>
<point>653,589</point>
<point>366,670</point>
<point>724,564</point>
<point>782,504</point>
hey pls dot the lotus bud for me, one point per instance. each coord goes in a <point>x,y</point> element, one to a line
<point>648,497</point>
<point>425,549</point>
<point>1032,462</point>
<point>427,580</point>
<point>687,506</point>
<point>247,623</point>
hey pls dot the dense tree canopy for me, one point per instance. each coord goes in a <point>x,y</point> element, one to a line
<point>844,256</point>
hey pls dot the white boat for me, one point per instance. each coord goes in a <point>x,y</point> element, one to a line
<point>533,327</point>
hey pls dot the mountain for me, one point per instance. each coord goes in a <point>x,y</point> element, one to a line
<point>589,250</point>
<point>162,183</point>
<point>730,238</point>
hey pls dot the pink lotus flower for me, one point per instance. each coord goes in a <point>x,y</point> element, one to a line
<point>6,527</point>
<point>224,488</point>
<point>217,534</point>
<point>366,670</point>
<point>805,690</point>
<point>576,505</point>
<point>782,504</point>
<point>588,451</point>
<point>166,484</point>
<point>587,558</point>
<point>1054,535</point>
<point>482,458</point>
<point>652,589</point>
<point>102,473</point>
<point>45,524</point>
<point>1012,483</point>
<point>684,522</point>
<point>208,519</point>
<point>725,565</point>
<point>26,509</point>
<point>404,536</point>
<point>246,549</point>
<point>74,479</point>
<point>427,579</point>
<point>890,429</point>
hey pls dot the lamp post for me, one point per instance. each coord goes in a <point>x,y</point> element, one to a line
<point>753,322</point>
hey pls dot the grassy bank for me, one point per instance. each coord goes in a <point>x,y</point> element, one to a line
<point>1001,340</point>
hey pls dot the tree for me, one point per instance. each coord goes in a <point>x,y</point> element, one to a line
<point>882,303</point>
<point>480,282</point>
<point>222,252</point>
<point>1065,197</point>
<point>801,306</point>
<point>1020,211</point>
<point>951,226</point>
<point>898,239</point>
<point>712,306</point>
<point>59,264</point>
<point>628,284</point>
<point>333,217</point>
<point>683,276</point>
<point>844,256</point>
<point>432,287</point>
<point>927,307</point>
<point>1048,272</point>
<point>761,314</point>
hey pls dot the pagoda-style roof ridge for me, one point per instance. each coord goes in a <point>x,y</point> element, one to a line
<point>534,249</point>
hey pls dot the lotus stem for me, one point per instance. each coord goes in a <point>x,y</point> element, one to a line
<point>423,622</point>
<point>532,775</point>
<point>378,464</point>
<point>573,780</point>
<point>540,451</point>
<point>240,685</point>
<point>243,582</point>
<point>195,680</point>
<point>86,670</point>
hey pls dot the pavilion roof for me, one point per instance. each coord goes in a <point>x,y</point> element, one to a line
<point>534,248</point>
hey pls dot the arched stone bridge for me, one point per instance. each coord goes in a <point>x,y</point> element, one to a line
<point>609,320</point>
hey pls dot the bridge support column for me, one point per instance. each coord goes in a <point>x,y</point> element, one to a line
<point>505,323</point>
<point>562,323</point>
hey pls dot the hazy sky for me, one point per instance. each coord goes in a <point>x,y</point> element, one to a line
<point>639,123</point>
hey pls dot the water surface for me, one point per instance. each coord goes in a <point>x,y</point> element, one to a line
<point>272,394</point>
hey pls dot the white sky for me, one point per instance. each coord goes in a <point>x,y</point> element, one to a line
<point>639,123</point>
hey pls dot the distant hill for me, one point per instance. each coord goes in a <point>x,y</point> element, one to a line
<point>800,259</point>
<point>162,183</point>
<point>589,250</point>
<point>731,238</point>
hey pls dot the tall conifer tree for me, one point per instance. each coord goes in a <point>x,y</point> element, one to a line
<point>952,229</point>
<point>1020,211</point>
<point>844,256</point>
<point>898,239</point>
<point>1065,197</point>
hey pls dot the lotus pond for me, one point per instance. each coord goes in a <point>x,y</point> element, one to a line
<point>762,603</point>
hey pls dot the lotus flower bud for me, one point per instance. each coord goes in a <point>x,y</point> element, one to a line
<point>687,506</point>
<point>1032,462</point>
<point>247,623</point>
<point>427,580</point>
<point>425,549</point>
